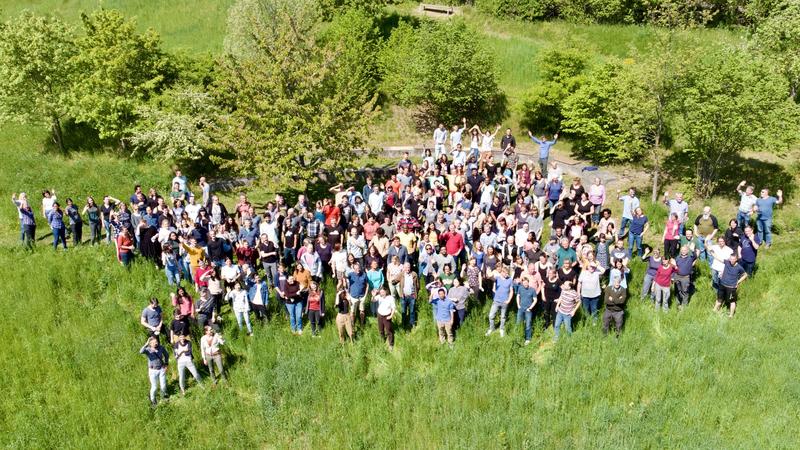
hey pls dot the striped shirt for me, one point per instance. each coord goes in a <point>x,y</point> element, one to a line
<point>567,301</point>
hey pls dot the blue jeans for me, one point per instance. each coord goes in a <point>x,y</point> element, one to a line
<point>704,255</point>
<point>173,275</point>
<point>566,319</point>
<point>187,272</point>
<point>622,225</point>
<point>407,306</point>
<point>634,240</point>
<point>764,229</point>
<point>742,218</point>
<point>526,315</point>
<point>543,165</point>
<point>590,305</point>
<point>107,226</point>
<point>59,234</point>
<point>289,255</point>
<point>126,258</point>
<point>295,315</point>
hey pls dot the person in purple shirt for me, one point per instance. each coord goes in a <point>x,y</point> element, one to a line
<point>544,150</point>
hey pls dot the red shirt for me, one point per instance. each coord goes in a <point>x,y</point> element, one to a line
<point>124,241</point>
<point>664,274</point>
<point>454,243</point>
<point>314,301</point>
<point>331,212</point>
<point>199,273</point>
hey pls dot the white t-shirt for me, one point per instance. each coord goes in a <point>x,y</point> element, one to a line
<point>487,143</point>
<point>192,211</point>
<point>720,254</point>
<point>47,203</point>
<point>230,273</point>
<point>385,305</point>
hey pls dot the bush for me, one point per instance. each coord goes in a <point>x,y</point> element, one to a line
<point>561,71</point>
<point>444,70</point>
<point>355,38</point>
<point>521,9</point>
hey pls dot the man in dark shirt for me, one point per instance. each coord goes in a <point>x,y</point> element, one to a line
<point>683,277</point>
<point>507,140</point>
<point>732,276</point>
<point>616,296</point>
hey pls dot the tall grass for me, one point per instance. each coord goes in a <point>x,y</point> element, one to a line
<point>73,375</point>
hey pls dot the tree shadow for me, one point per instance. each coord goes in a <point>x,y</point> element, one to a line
<point>678,166</point>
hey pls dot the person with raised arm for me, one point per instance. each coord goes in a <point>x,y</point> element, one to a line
<point>544,150</point>
<point>764,206</point>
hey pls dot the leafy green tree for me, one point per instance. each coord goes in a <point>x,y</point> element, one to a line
<point>444,69</point>
<point>175,125</point>
<point>778,36</point>
<point>561,72</point>
<point>354,36</point>
<point>287,113</point>
<point>590,123</point>
<point>729,101</point>
<point>119,69</point>
<point>37,71</point>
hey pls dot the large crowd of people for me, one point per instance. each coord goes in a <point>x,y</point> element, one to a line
<point>459,226</point>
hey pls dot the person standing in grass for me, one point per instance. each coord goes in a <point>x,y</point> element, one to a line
<point>152,319</point>
<point>544,150</point>
<point>357,291</point>
<point>747,204</point>
<point>720,252</point>
<point>444,312</point>
<point>344,321</point>
<point>503,293</point>
<point>55,217</point>
<point>294,305</point>
<point>706,228</point>
<point>616,295</point>
<point>764,206</point>
<point>672,236</point>
<point>589,288</point>
<point>315,308</point>
<point>157,362</point>
<point>550,293</point>
<point>241,306</point>
<point>27,220</point>
<point>75,222</point>
<point>459,295</point>
<point>258,294</point>
<point>210,345</point>
<point>526,301</point>
<point>684,264</point>
<point>566,307</point>
<point>375,281</point>
<point>408,287</point>
<point>662,282</point>
<point>183,358</point>
<point>629,204</point>
<point>204,308</point>
<point>638,228</point>
<point>732,276</point>
<point>748,250</point>
<point>386,310</point>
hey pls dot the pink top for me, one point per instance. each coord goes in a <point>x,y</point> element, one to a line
<point>597,194</point>
<point>671,231</point>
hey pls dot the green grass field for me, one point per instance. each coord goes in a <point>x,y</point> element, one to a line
<point>74,379</point>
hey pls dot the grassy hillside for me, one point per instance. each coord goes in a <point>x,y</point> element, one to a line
<point>73,377</point>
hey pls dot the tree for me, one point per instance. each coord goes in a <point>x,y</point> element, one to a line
<point>444,69</point>
<point>561,72</point>
<point>175,126</point>
<point>778,36</point>
<point>119,69</point>
<point>287,114</point>
<point>728,100</point>
<point>37,71</point>
<point>354,36</point>
<point>589,121</point>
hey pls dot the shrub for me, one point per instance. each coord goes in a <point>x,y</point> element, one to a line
<point>444,70</point>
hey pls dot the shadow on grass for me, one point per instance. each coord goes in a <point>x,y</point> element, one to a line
<point>761,174</point>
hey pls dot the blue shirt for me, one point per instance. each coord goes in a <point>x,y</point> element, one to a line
<point>442,309</point>
<point>765,206</point>
<point>685,264</point>
<point>526,296</point>
<point>637,225</point>
<point>56,219</point>
<point>502,289</point>
<point>555,190</point>
<point>544,147</point>
<point>731,274</point>
<point>629,204</point>
<point>358,284</point>
<point>749,252</point>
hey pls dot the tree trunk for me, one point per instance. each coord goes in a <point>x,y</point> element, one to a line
<point>58,135</point>
<point>656,168</point>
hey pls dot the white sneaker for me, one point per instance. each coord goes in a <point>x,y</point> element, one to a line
<point>489,332</point>
<point>527,342</point>
<point>502,333</point>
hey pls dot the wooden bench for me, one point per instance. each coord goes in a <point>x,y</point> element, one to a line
<point>441,9</point>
